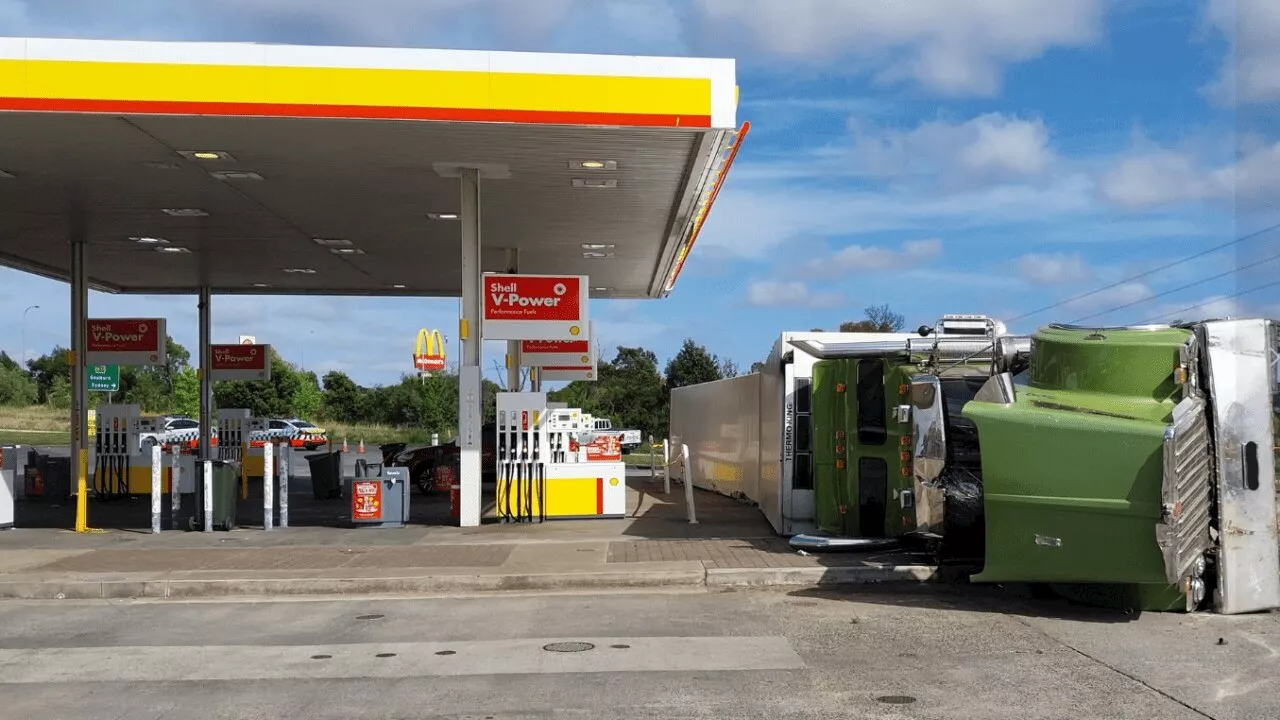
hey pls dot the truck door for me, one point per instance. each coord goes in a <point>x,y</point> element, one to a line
<point>872,438</point>
<point>1241,378</point>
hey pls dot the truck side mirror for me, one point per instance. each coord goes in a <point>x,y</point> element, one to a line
<point>929,452</point>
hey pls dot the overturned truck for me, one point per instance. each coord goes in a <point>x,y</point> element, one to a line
<point>1128,465</point>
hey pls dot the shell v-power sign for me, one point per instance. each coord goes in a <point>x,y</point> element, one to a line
<point>535,307</point>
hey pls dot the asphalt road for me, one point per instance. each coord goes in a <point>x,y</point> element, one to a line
<point>758,654</point>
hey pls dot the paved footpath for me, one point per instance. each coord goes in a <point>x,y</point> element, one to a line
<point>655,546</point>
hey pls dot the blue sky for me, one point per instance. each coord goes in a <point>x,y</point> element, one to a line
<point>992,156</point>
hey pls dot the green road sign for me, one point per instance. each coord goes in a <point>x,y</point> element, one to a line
<point>104,378</point>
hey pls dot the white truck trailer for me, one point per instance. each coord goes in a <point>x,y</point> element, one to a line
<point>750,436</point>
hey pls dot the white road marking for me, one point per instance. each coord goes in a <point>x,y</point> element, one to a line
<point>168,663</point>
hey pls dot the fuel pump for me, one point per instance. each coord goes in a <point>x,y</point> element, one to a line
<point>116,440</point>
<point>545,465</point>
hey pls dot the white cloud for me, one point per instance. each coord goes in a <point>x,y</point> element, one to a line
<point>1054,268</point>
<point>1215,306</point>
<point>985,149</point>
<point>948,46</point>
<point>770,293</point>
<point>1251,71</point>
<point>1120,298</point>
<point>1166,177</point>
<point>860,258</point>
<point>752,219</point>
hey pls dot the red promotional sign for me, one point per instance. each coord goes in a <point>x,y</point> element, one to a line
<point>366,500</point>
<point>241,362</point>
<point>576,347</point>
<point>605,448</point>
<point>126,341</point>
<point>529,307</point>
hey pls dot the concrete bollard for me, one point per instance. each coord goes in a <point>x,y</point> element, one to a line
<point>175,486</point>
<point>155,488</point>
<point>207,484</point>
<point>666,467</point>
<point>653,460</point>
<point>284,486</point>
<point>686,473</point>
<point>268,484</point>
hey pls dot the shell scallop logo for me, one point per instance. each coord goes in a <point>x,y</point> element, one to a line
<point>585,359</point>
<point>613,482</point>
<point>575,330</point>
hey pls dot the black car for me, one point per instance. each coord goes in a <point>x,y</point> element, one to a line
<point>422,460</point>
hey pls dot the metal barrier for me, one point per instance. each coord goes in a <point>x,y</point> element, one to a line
<point>686,474</point>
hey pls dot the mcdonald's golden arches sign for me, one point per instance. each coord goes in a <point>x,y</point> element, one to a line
<point>428,351</point>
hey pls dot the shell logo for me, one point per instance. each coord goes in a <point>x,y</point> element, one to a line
<point>575,330</point>
<point>613,482</point>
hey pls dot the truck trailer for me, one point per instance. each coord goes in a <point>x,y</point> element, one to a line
<point>1125,465</point>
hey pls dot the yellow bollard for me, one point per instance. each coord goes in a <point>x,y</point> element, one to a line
<point>82,492</point>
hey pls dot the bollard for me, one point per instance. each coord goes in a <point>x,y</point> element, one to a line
<point>666,467</point>
<point>207,484</point>
<point>435,439</point>
<point>686,474</point>
<point>653,460</point>
<point>284,485</point>
<point>155,488</point>
<point>175,486</point>
<point>244,472</point>
<point>268,475</point>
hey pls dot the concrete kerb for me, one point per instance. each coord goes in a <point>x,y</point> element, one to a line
<point>686,575</point>
<point>819,576</point>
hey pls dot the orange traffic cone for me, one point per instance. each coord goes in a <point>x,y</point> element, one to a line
<point>361,450</point>
<point>344,444</point>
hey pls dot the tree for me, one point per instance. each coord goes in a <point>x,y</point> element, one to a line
<point>186,393</point>
<point>690,366</point>
<point>880,319</point>
<point>16,387</point>
<point>629,391</point>
<point>728,368</point>
<point>47,367</point>
<point>343,399</point>
<point>757,366</point>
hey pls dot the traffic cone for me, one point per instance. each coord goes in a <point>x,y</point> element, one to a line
<point>344,444</point>
<point>361,450</point>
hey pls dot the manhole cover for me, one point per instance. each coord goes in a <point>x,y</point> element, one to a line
<point>385,655</point>
<point>321,657</point>
<point>370,617</point>
<point>896,699</point>
<point>446,652</point>
<point>568,647</point>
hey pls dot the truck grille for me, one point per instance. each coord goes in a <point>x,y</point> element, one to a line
<point>1183,534</point>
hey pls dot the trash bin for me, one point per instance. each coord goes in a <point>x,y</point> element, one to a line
<point>51,479</point>
<point>381,501</point>
<point>226,491</point>
<point>326,475</point>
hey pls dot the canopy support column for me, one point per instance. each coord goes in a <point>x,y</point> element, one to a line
<point>204,313</point>
<point>79,376</point>
<point>470,385</point>
<point>513,346</point>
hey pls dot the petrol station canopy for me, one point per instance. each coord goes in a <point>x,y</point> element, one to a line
<point>275,169</point>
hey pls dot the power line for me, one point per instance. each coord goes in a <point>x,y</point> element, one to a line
<point>1188,286</point>
<point>1149,273</point>
<point>1205,304</point>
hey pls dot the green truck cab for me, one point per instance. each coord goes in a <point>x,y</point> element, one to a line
<point>1129,465</point>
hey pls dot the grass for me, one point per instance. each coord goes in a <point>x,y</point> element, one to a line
<point>42,425</point>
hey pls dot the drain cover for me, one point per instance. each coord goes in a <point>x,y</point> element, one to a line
<point>321,657</point>
<point>370,617</point>
<point>619,647</point>
<point>568,647</point>
<point>385,655</point>
<point>446,652</point>
<point>896,699</point>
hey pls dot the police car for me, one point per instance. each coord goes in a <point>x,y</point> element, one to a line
<point>174,430</point>
<point>296,433</point>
